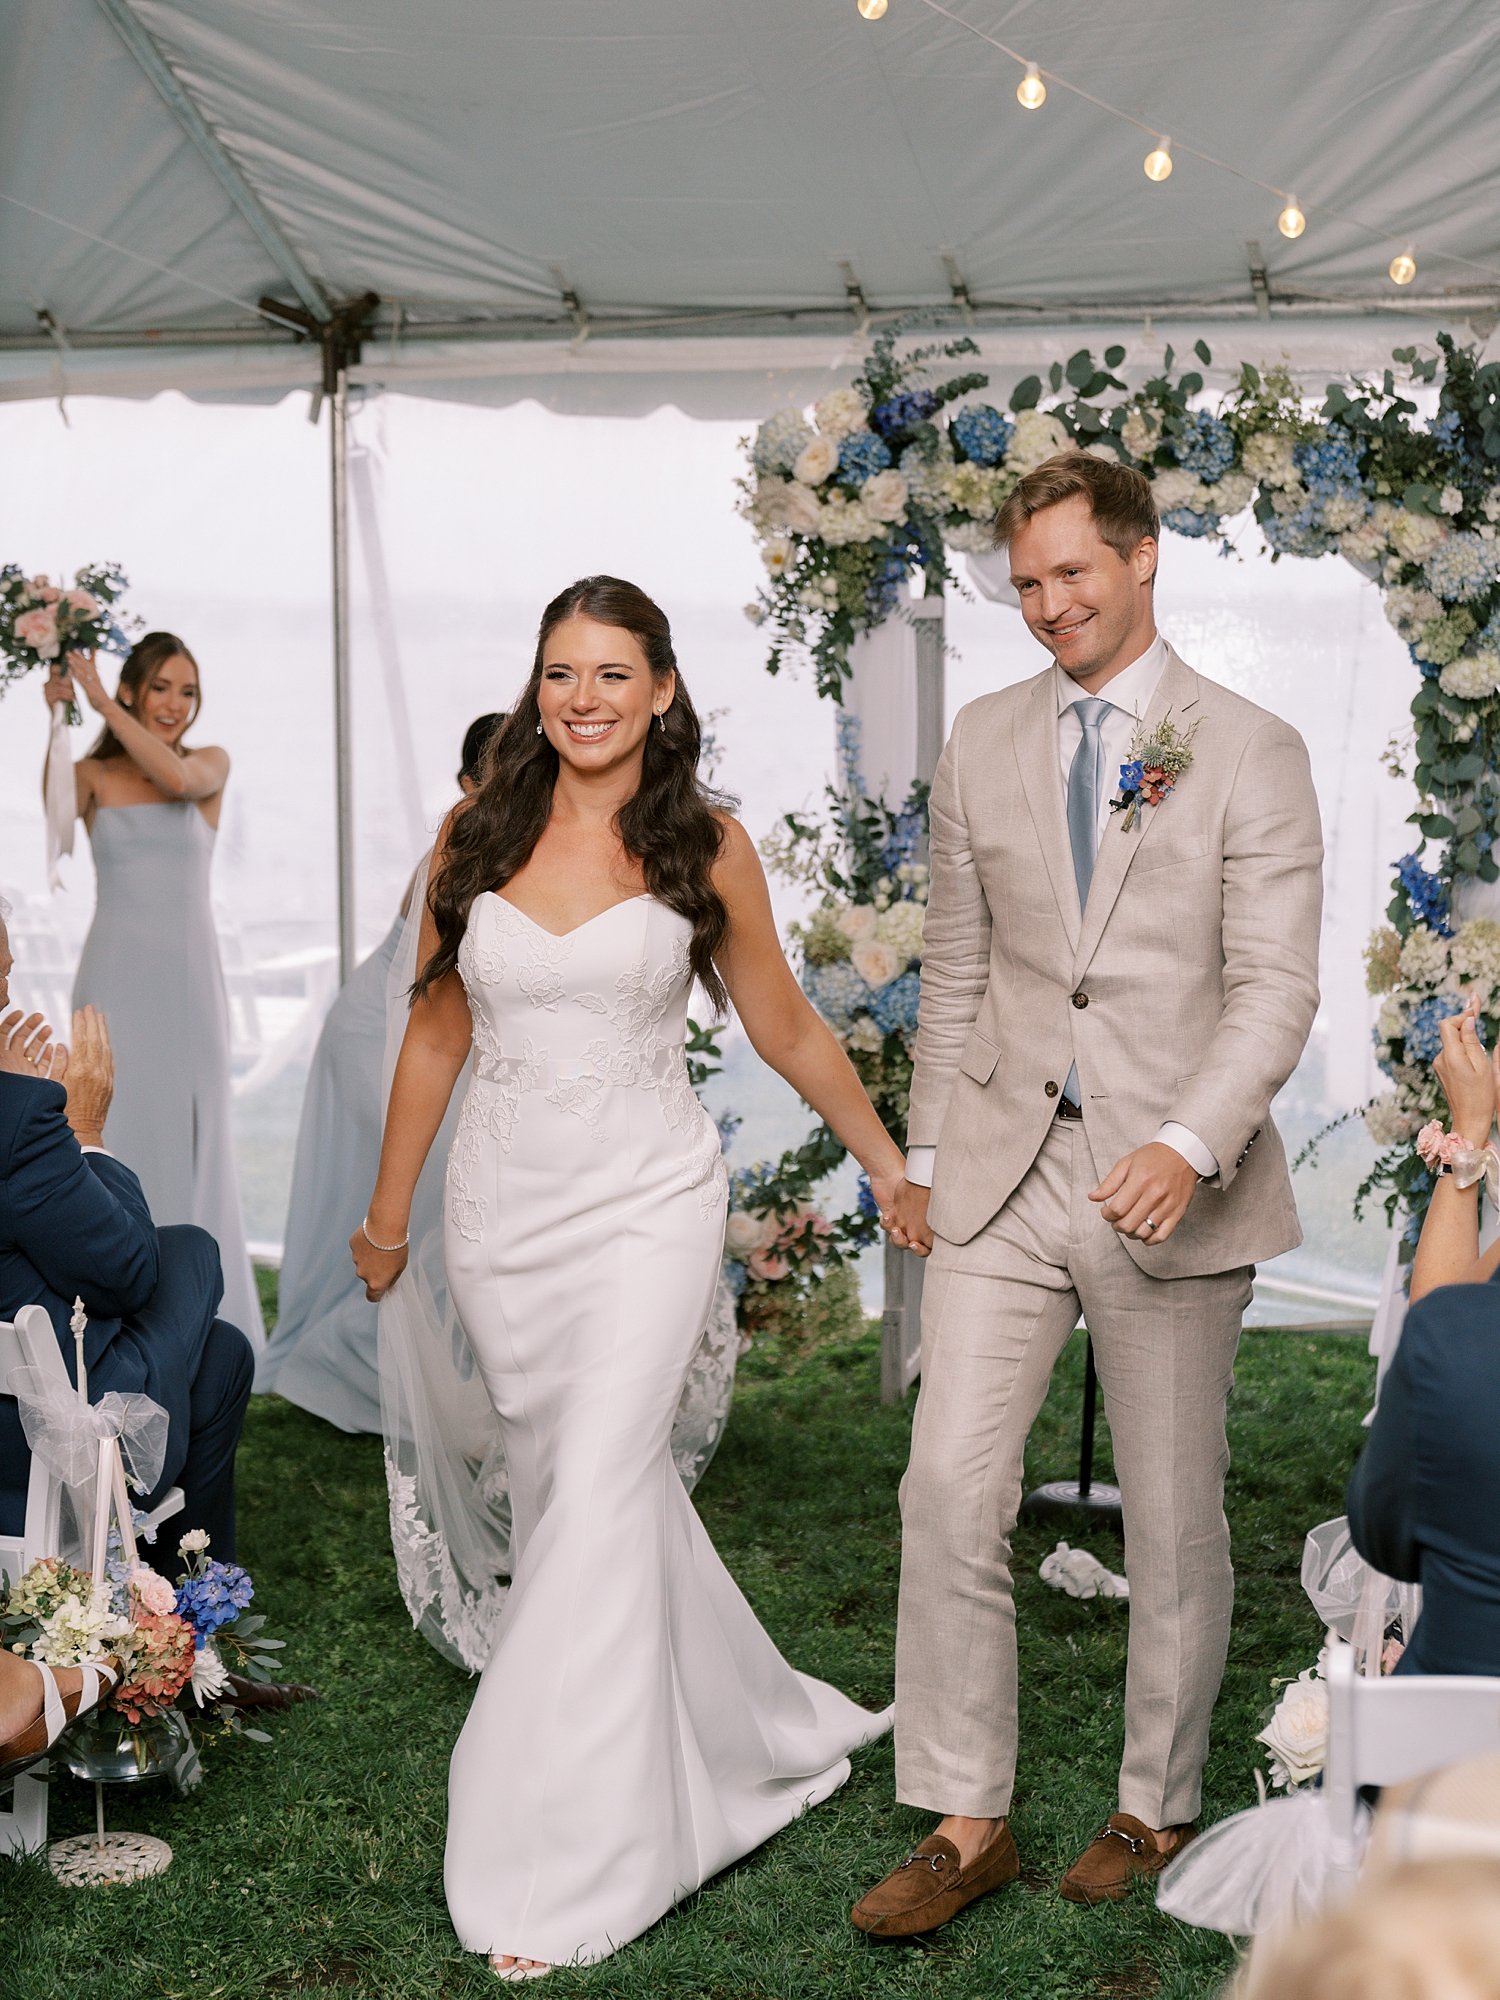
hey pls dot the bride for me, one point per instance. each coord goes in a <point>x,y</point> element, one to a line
<point>635,1730</point>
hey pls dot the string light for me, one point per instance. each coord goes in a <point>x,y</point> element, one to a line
<point>1291,221</point>
<point>1031,91</point>
<point>1403,266</point>
<point>1158,162</point>
<point>873,9</point>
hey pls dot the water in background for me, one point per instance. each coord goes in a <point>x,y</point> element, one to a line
<point>219,516</point>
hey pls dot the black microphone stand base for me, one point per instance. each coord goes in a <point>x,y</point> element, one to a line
<point>1084,1498</point>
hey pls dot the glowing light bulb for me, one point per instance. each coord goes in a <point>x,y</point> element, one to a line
<point>1403,267</point>
<point>1031,91</point>
<point>1291,221</point>
<point>873,9</point>
<point>1158,162</point>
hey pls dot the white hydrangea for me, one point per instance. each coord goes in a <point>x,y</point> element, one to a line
<point>1038,436</point>
<point>925,476</point>
<point>843,521</point>
<point>1410,610</point>
<point>839,412</point>
<point>1475,957</point>
<point>901,928</point>
<point>1492,504</point>
<point>1424,958</point>
<point>1471,676</point>
<point>1364,545</point>
<point>1140,432</point>
<point>1414,535</point>
<point>971,538</point>
<point>1233,493</point>
<point>1451,500</point>
<point>1267,457</point>
<point>1343,511</point>
<point>1288,500</point>
<point>1390,1123</point>
<point>865,1036</point>
<point>1176,488</point>
<point>884,495</point>
<point>818,460</point>
<point>819,593</point>
<point>1390,1022</point>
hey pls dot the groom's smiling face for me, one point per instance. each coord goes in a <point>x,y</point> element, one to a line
<point>1089,605</point>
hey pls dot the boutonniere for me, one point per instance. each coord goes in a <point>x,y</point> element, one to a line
<point>1151,771</point>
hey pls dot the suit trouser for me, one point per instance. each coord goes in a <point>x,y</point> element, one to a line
<point>996,1313</point>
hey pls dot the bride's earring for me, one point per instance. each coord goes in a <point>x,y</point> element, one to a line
<point>539,729</point>
<point>661,716</point>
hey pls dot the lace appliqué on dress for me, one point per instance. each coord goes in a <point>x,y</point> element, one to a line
<point>429,1581</point>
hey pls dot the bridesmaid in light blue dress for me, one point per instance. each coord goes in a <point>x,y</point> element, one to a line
<point>321,1355</point>
<point>151,959</point>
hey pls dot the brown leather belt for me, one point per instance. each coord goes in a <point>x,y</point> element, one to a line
<point>1066,1108</point>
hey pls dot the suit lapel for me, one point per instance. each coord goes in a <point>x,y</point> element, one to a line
<point>1177,690</point>
<point>1036,753</point>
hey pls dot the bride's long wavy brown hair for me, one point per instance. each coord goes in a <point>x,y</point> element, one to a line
<point>668,825</point>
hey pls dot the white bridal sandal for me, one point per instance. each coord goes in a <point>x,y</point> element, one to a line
<point>24,1750</point>
<point>515,1972</point>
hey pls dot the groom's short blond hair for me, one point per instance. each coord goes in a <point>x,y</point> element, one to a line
<point>1119,498</point>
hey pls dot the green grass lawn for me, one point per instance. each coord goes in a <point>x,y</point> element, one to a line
<point>313,1865</point>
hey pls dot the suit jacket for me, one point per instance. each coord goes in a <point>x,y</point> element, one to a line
<point>72,1225</point>
<point>1185,990</point>
<point>1424,1499</point>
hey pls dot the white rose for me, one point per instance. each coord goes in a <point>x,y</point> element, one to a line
<point>875,962</point>
<point>800,509</point>
<point>1175,488</point>
<point>884,495</point>
<point>817,461</point>
<point>1297,1734</point>
<point>1037,436</point>
<point>839,412</point>
<point>857,921</point>
<point>744,1233</point>
<point>193,1542</point>
<point>1451,500</point>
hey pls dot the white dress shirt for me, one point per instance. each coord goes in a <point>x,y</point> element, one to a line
<point>1130,694</point>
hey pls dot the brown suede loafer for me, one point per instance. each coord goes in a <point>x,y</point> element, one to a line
<point>1118,1852</point>
<point>930,1886</point>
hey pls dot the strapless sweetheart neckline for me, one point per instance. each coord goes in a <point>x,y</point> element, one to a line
<point>608,910</point>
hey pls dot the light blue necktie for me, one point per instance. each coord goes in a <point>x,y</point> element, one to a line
<point>1085,788</point>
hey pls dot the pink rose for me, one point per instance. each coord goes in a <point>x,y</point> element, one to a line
<point>38,629</point>
<point>153,1591</point>
<point>83,603</point>
<point>767,1264</point>
<point>1390,1655</point>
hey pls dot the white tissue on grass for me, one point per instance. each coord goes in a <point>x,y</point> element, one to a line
<point>1080,1574</point>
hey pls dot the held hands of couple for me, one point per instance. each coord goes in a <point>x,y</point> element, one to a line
<point>903,1214</point>
<point>1146,1193</point>
<point>1467,1075</point>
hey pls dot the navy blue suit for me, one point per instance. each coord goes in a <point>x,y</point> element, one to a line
<point>76,1224</point>
<point>1424,1499</point>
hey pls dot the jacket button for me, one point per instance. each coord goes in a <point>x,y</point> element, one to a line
<point>1080,999</point>
<point>1050,1088</point>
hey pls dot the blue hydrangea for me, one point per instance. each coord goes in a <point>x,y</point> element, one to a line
<point>1204,446</point>
<point>1299,534</point>
<point>901,846</point>
<point>1447,427</point>
<point>1183,521</point>
<point>1329,464</point>
<point>1428,669</point>
<point>1428,895</point>
<point>1460,568</point>
<point>1423,1042</point>
<point>1484,841</point>
<point>883,592</point>
<point>894,1008</point>
<point>862,455</point>
<point>736,1277</point>
<point>865,1199</point>
<point>838,993</point>
<point>780,440</point>
<point>903,413</point>
<point>983,435</point>
<point>215,1598</point>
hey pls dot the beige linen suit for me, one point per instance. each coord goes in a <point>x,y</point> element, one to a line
<point>1184,992</point>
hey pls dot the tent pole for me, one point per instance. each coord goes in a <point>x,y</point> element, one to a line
<point>343,762</point>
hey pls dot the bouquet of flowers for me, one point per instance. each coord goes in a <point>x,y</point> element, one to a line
<point>1295,1727</point>
<point>176,1643</point>
<point>41,621</point>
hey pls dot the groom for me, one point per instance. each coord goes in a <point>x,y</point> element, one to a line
<point>1109,1003</point>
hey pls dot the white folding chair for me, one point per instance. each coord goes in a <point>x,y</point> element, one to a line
<point>1383,1731</point>
<point>31,1342</point>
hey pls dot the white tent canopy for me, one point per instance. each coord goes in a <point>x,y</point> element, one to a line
<point>529,187</point>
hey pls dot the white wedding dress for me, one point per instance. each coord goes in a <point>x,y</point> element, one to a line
<point>635,1730</point>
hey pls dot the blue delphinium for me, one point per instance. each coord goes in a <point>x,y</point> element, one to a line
<point>1461,567</point>
<point>1329,465</point>
<point>865,1199</point>
<point>894,1008</point>
<point>728,1123</point>
<point>1183,521</point>
<point>1427,894</point>
<point>862,455</point>
<point>982,434</point>
<point>903,413</point>
<point>214,1598</point>
<point>1204,446</point>
<point>1423,1042</point>
<point>1132,775</point>
<point>883,592</point>
<point>901,844</point>
<point>1447,427</point>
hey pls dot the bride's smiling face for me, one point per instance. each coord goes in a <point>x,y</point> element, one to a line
<point>597,694</point>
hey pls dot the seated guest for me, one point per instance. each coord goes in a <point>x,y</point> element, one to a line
<point>74,1223</point>
<point>322,1351</point>
<point>1424,1499</point>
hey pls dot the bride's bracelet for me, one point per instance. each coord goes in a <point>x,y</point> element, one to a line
<point>388,1248</point>
<point>1450,1153</point>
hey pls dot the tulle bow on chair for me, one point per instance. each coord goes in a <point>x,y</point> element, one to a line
<point>89,1447</point>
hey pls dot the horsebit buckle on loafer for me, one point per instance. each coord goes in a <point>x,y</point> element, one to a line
<point>1131,1840</point>
<point>936,1862</point>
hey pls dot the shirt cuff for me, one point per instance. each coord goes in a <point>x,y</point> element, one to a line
<point>919,1162</point>
<point>1191,1147</point>
<point>97,1149</point>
